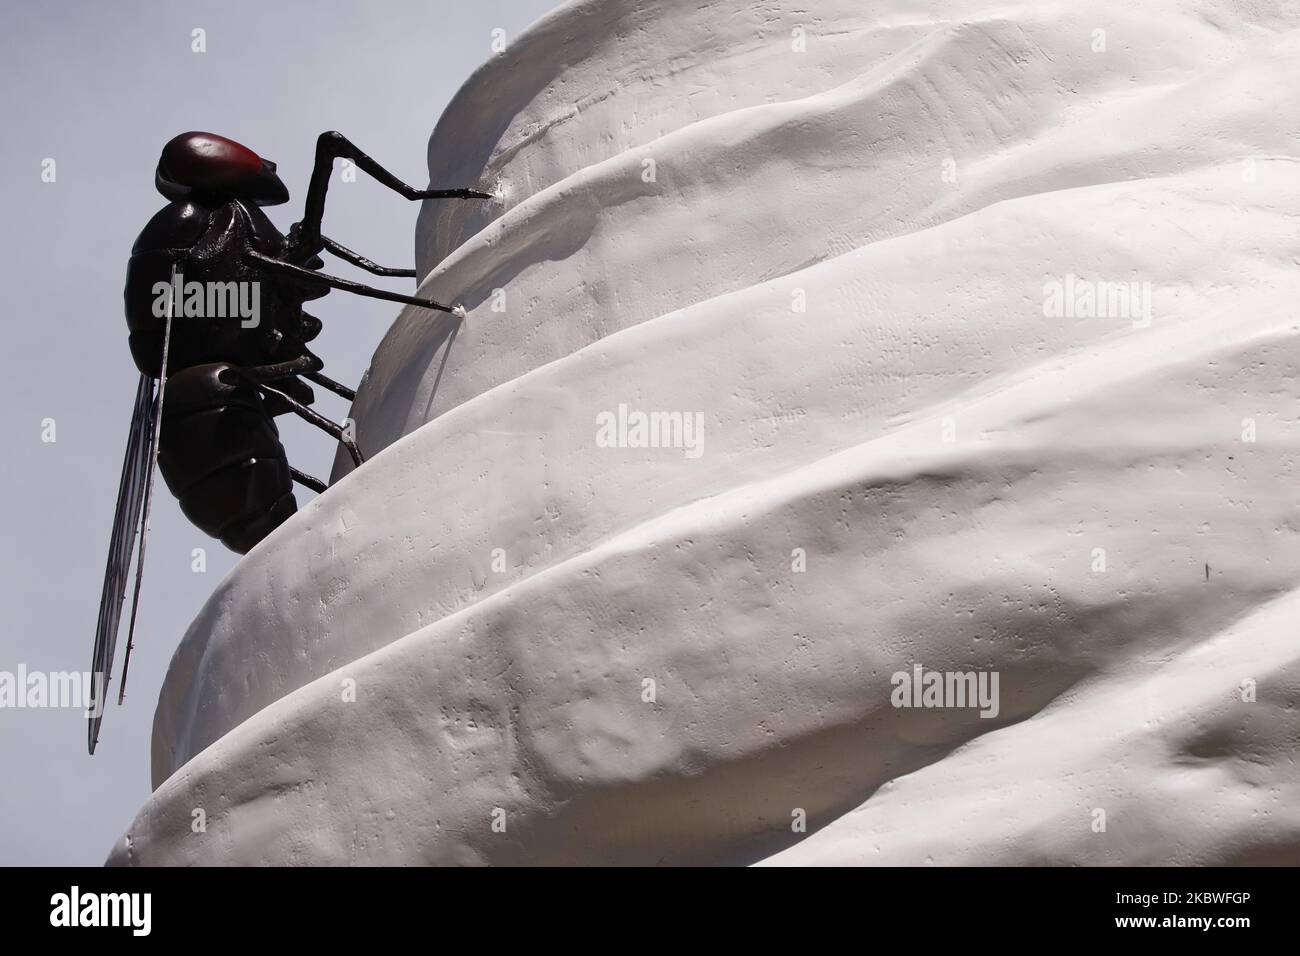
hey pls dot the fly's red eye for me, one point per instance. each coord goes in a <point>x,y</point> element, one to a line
<point>208,162</point>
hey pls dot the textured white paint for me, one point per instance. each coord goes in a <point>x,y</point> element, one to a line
<point>782,176</point>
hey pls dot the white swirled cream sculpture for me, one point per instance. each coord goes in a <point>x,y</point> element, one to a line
<point>971,331</point>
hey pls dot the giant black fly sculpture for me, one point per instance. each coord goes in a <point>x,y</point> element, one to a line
<point>225,379</point>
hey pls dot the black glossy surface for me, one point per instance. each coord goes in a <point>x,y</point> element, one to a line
<point>219,450</point>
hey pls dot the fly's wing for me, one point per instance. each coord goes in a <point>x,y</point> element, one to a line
<point>126,528</point>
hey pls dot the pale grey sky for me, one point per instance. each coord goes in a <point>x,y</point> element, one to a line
<point>99,87</point>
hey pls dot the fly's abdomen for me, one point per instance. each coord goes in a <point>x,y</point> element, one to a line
<point>221,456</point>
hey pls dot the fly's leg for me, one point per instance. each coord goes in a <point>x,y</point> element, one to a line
<point>302,365</point>
<point>334,145</point>
<point>325,382</point>
<point>306,414</point>
<point>310,278</point>
<point>307,481</point>
<point>347,255</point>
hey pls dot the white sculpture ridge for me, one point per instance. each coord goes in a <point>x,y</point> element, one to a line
<point>859,244</point>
